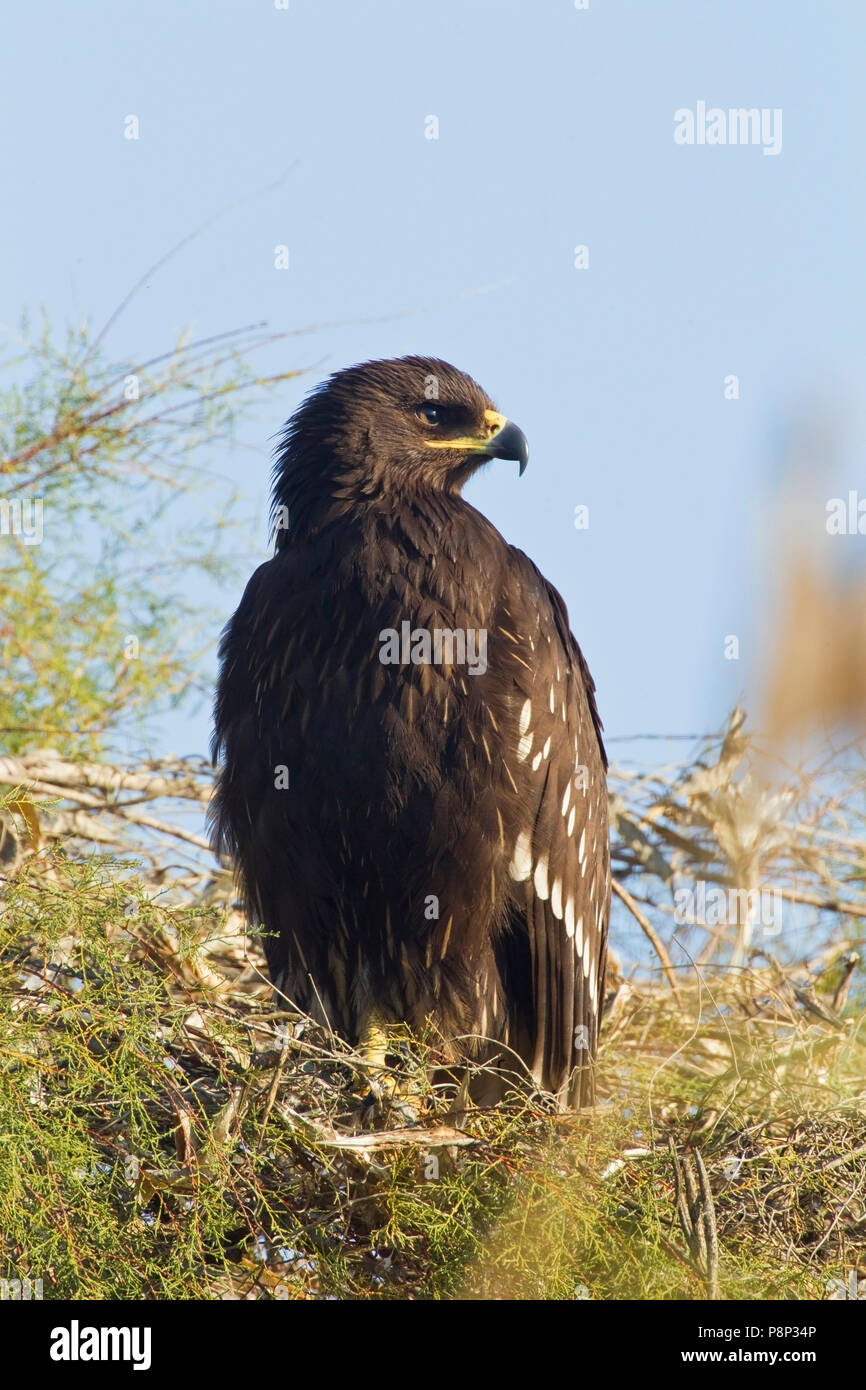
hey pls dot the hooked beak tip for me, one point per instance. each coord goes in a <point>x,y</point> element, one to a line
<point>510,443</point>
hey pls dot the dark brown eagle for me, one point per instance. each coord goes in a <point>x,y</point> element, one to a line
<point>413,779</point>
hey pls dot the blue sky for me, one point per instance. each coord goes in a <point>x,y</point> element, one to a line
<point>555,129</point>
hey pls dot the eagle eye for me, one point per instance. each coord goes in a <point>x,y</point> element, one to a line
<point>430,413</point>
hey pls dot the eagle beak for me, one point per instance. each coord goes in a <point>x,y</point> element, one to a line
<point>506,440</point>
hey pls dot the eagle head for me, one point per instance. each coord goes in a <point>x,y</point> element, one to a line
<point>406,425</point>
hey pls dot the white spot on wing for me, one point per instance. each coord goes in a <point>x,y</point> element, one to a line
<point>540,878</point>
<point>523,747</point>
<point>556,898</point>
<point>569,917</point>
<point>525,716</point>
<point>521,863</point>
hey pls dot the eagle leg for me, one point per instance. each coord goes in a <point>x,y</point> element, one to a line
<point>388,1090</point>
<point>372,1049</point>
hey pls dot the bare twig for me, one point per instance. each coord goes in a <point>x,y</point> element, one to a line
<point>652,935</point>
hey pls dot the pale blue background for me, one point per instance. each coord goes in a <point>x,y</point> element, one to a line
<point>556,128</point>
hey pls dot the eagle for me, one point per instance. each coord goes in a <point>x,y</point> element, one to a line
<point>412,779</point>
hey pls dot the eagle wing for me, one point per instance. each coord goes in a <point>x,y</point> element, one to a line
<point>560,862</point>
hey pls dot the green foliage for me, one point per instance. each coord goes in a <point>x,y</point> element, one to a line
<point>113,457</point>
<point>165,1136</point>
